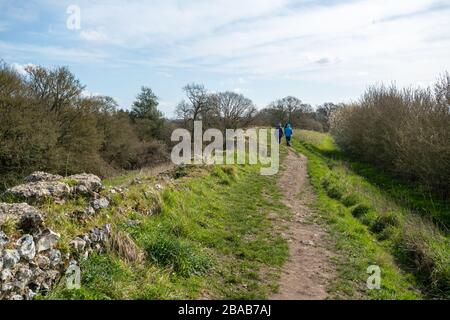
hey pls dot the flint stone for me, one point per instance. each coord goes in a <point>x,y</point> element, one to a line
<point>23,276</point>
<point>7,286</point>
<point>90,211</point>
<point>91,182</point>
<point>10,258</point>
<point>16,210</point>
<point>40,190</point>
<point>55,257</point>
<point>6,274</point>
<point>42,261</point>
<point>26,247</point>
<point>48,239</point>
<point>31,222</point>
<point>42,176</point>
<point>3,239</point>
<point>99,204</point>
<point>78,244</point>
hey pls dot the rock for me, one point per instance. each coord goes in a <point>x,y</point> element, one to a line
<point>1,262</point>
<point>16,297</point>
<point>29,294</point>
<point>6,274</point>
<point>107,229</point>
<point>158,187</point>
<point>78,244</point>
<point>31,222</point>
<point>52,275</point>
<point>26,247</point>
<point>42,176</point>
<point>7,286</point>
<point>88,240</point>
<point>90,182</point>
<point>42,262</point>
<point>99,204</point>
<point>10,258</point>
<point>90,211</point>
<point>15,211</point>
<point>81,190</point>
<point>3,239</point>
<point>55,257</point>
<point>23,276</point>
<point>39,191</point>
<point>48,239</point>
<point>95,235</point>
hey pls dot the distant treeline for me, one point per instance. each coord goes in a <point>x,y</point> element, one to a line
<point>403,131</point>
<point>47,123</point>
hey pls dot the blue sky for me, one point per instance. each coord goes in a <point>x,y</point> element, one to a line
<point>319,51</point>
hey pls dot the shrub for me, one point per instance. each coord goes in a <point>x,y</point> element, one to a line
<point>423,246</point>
<point>172,252</point>
<point>350,200</point>
<point>334,191</point>
<point>360,209</point>
<point>384,220</point>
<point>406,132</point>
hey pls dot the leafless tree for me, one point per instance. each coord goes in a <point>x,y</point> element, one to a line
<point>233,110</point>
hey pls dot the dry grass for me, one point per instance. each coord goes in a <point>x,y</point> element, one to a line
<point>123,245</point>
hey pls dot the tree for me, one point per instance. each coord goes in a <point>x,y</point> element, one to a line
<point>145,114</point>
<point>199,99</point>
<point>146,105</point>
<point>324,112</point>
<point>56,88</point>
<point>233,110</point>
<point>289,109</point>
<point>200,106</point>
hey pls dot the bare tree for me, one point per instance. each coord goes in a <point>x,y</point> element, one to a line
<point>288,108</point>
<point>233,110</point>
<point>198,97</point>
<point>183,111</point>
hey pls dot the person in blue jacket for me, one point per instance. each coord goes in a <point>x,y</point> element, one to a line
<point>288,133</point>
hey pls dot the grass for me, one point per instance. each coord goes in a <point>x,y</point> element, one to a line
<point>210,236</point>
<point>375,224</point>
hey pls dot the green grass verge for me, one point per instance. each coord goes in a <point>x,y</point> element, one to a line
<point>372,226</point>
<point>211,238</point>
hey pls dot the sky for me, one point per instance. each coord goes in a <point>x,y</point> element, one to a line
<point>319,51</point>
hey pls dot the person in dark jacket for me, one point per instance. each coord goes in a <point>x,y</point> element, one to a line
<point>288,133</point>
<point>280,132</point>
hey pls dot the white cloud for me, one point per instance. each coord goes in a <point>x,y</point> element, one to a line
<point>54,53</point>
<point>93,35</point>
<point>273,38</point>
<point>20,68</point>
<point>345,43</point>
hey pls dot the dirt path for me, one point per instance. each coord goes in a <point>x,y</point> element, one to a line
<point>308,271</point>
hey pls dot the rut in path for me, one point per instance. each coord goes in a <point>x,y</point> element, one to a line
<point>308,271</point>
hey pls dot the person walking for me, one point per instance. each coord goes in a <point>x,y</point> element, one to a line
<point>280,132</point>
<point>288,133</point>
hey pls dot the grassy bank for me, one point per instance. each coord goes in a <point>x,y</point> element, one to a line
<point>376,223</point>
<point>212,233</point>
